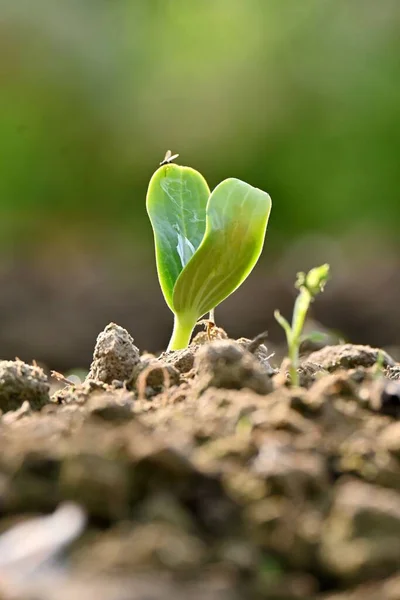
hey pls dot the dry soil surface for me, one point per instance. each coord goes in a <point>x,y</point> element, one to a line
<point>201,474</point>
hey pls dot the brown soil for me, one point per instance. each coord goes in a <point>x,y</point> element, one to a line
<point>203,476</point>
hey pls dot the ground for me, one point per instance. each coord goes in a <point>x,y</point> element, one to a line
<point>202,474</point>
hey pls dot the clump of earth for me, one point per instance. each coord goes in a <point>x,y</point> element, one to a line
<point>202,473</point>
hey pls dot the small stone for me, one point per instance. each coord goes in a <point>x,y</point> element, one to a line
<point>115,355</point>
<point>225,364</point>
<point>19,383</point>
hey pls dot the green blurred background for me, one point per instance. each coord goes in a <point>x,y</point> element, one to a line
<point>298,97</point>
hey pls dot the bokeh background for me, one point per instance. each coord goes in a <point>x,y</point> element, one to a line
<point>298,97</point>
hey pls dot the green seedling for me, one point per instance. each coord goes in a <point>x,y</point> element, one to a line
<point>206,243</point>
<point>309,285</point>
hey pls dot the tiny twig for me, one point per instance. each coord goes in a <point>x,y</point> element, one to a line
<point>141,382</point>
<point>60,377</point>
<point>209,326</point>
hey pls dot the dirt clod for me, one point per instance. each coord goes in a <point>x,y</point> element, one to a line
<point>204,477</point>
<point>349,356</point>
<point>260,351</point>
<point>19,383</point>
<point>182,360</point>
<point>225,364</point>
<point>152,376</point>
<point>310,372</point>
<point>115,355</point>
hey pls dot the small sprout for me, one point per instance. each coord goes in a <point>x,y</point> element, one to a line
<point>206,243</point>
<point>310,285</point>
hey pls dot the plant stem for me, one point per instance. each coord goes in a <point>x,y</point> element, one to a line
<point>183,328</point>
<point>211,315</point>
<point>300,310</point>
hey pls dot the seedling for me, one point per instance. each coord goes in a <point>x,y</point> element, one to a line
<point>310,286</point>
<point>206,243</point>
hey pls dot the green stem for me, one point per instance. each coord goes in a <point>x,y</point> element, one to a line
<point>294,361</point>
<point>183,328</point>
<point>301,307</point>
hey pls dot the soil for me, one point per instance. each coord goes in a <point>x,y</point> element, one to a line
<point>201,474</point>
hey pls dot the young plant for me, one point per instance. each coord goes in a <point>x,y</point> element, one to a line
<point>206,243</point>
<point>310,286</point>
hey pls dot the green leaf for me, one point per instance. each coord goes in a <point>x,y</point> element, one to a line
<point>284,324</point>
<point>176,204</point>
<point>314,281</point>
<point>315,337</point>
<point>237,217</point>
